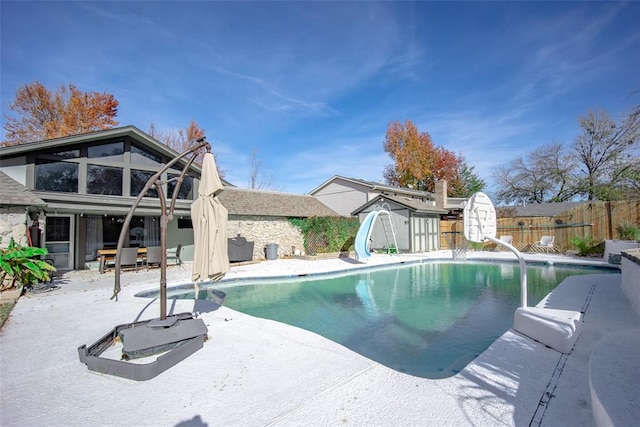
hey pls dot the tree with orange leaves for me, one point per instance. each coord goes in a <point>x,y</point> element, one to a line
<point>418,163</point>
<point>181,139</point>
<point>42,114</point>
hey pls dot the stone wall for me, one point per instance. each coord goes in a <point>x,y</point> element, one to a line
<point>263,230</point>
<point>12,224</point>
<point>630,273</point>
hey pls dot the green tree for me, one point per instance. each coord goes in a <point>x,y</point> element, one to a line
<point>468,182</point>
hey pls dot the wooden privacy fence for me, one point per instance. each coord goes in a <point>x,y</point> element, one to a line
<point>595,219</point>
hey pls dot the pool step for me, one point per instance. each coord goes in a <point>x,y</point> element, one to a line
<point>558,329</point>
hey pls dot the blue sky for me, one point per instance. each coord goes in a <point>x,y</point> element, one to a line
<point>312,85</point>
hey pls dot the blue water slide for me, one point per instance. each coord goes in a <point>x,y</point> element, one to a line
<point>361,244</point>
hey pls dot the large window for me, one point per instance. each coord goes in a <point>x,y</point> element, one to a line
<point>140,156</point>
<point>67,154</point>
<point>104,180</point>
<point>56,176</point>
<point>103,232</point>
<point>139,180</point>
<point>186,188</point>
<point>113,151</point>
<point>114,168</point>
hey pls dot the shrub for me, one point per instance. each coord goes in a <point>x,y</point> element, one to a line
<point>21,265</point>
<point>628,231</point>
<point>327,234</point>
<point>585,245</point>
<point>477,246</point>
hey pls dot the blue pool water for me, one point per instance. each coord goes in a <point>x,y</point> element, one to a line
<point>428,320</point>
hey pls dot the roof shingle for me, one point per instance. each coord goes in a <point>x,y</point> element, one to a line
<point>240,201</point>
<point>16,194</point>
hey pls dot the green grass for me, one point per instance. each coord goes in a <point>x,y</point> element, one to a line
<point>5,309</point>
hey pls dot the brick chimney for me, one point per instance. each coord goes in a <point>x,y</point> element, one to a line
<point>441,194</point>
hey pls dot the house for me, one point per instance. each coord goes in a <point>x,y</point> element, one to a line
<point>415,214</point>
<point>71,195</point>
<point>88,183</point>
<point>539,209</point>
<point>345,195</point>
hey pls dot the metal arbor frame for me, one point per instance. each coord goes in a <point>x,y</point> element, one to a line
<point>166,216</point>
<point>179,336</point>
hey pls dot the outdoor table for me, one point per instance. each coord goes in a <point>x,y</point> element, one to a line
<point>105,255</point>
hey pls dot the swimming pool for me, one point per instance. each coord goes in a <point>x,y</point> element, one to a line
<point>426,319</point>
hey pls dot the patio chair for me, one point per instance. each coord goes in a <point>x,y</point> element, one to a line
<point>154,256</point>
<point>507,239</point>
<point>129,258</point>
<point>545,244</point>
<point>174,255</point>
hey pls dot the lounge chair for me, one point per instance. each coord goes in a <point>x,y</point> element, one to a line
<point>174,255</point>
<point>507,239</point>
<point>545,244</point>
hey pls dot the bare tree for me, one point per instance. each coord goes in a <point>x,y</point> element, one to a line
<point>607,153</point>
<point>181,140</point>
<point>545,175</point>
<point>257,179</point>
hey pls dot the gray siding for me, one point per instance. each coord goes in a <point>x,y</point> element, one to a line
<point>343,197</point>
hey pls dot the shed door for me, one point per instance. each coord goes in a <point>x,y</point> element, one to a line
<point>424,233</point>
<point>433,234</point>
<point>418,234</point>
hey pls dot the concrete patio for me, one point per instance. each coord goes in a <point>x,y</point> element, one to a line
<point>253,371</point>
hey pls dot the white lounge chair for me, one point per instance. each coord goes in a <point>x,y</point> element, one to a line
<point>545,244</point>
<point>507,239</point>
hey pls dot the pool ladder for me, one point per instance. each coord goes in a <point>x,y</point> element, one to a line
<point>389,229</point>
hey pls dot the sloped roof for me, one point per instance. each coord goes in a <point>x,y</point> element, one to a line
<point>410,203</point>
<point>374,186</point>
<point>119,132</point>
<point>542,209</point>
<point>241,201</point>
<point>16,194</point>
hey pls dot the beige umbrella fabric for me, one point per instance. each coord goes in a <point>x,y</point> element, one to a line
<point>209,217</point>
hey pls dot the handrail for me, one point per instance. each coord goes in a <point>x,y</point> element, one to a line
<point>523,268</point>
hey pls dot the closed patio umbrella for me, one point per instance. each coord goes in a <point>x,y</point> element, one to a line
<point>209,217</point>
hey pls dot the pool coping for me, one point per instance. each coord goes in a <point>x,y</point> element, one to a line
<point>225,282</point>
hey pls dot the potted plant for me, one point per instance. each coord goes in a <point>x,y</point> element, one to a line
<point>21,266</point>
